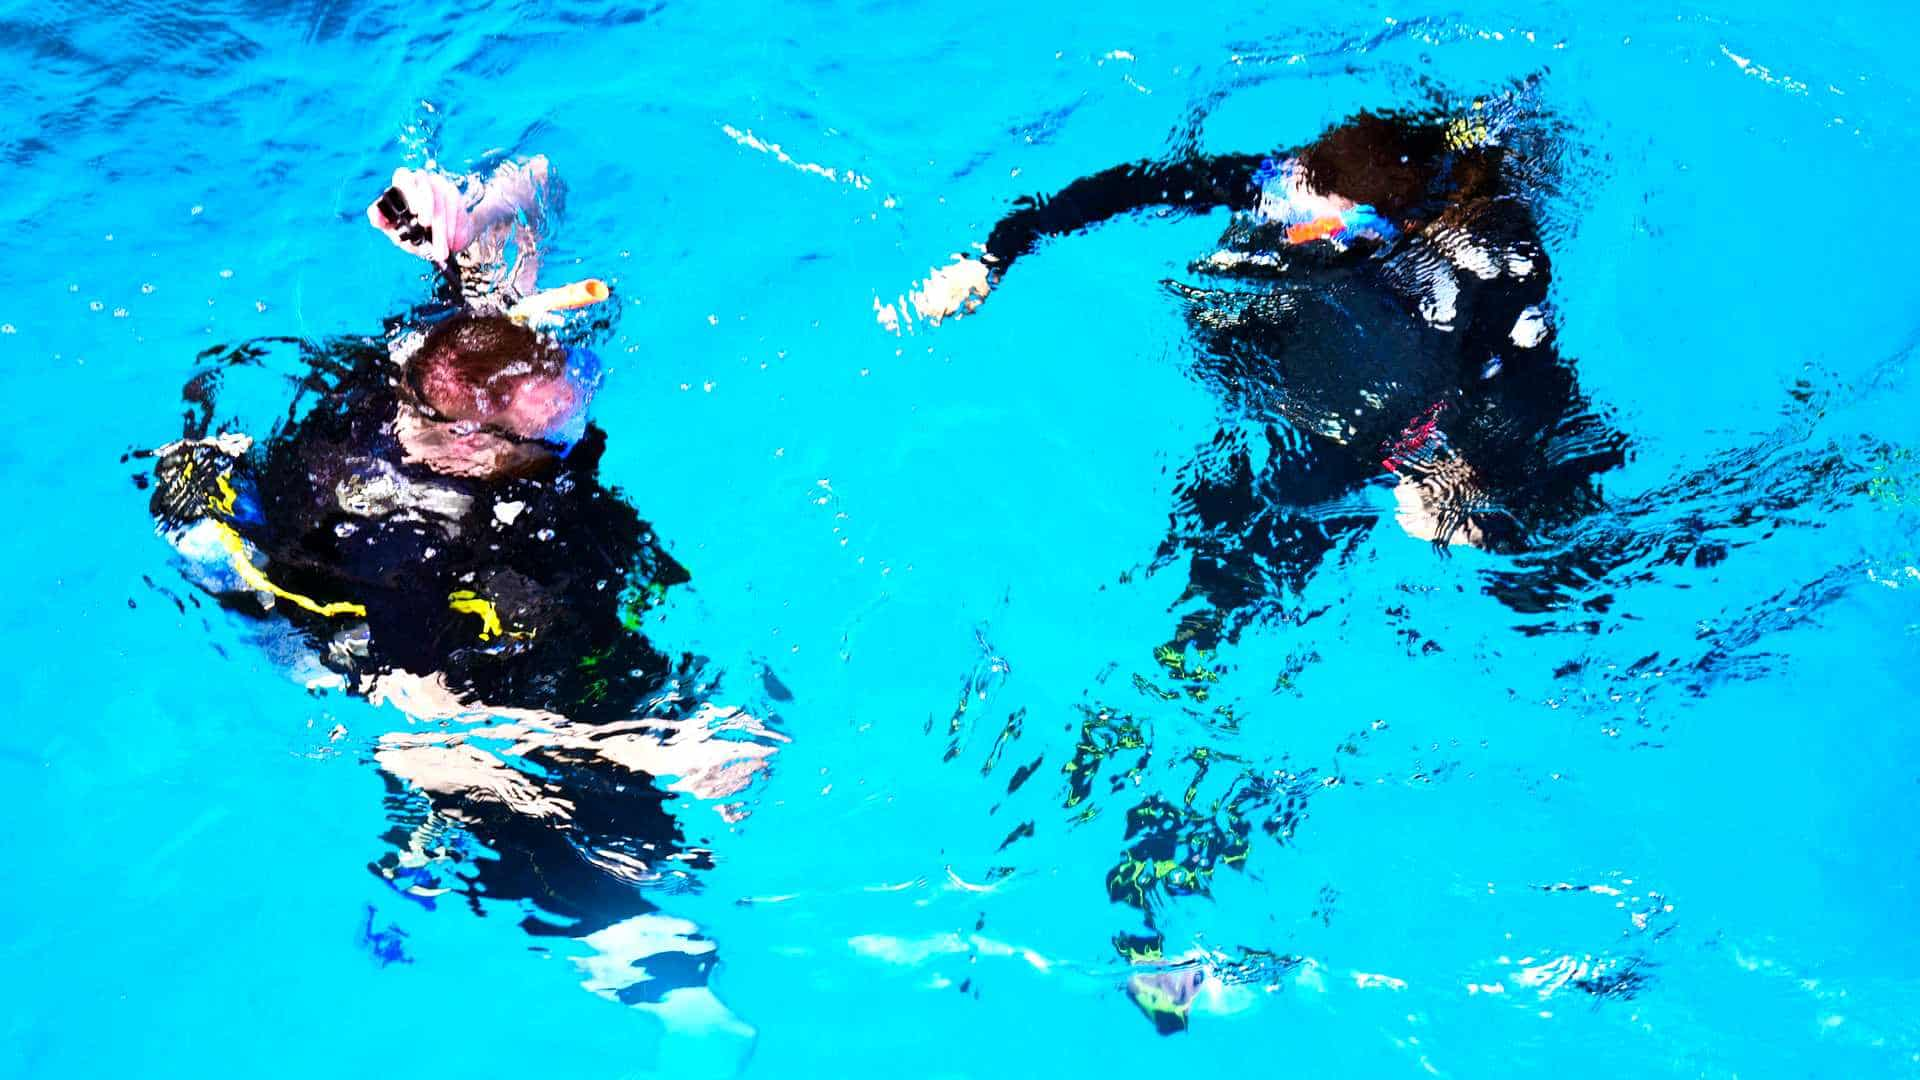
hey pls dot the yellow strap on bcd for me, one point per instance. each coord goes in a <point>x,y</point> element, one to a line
<point>224,504</point>
<point>468,602</point>
<point>241,554</point>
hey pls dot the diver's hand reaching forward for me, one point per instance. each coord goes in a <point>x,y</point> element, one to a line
<point>952,290</point>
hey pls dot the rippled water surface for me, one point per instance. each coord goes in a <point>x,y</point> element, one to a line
<point>1663,826</point>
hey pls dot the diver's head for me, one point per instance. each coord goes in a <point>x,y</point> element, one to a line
<point>487,371</point>
<point>1392,163</point>
<point>485,397</point>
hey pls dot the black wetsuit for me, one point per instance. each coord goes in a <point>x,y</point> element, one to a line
<point>1347,366</point>
<point>520,594</point>
<point>1358,361</point>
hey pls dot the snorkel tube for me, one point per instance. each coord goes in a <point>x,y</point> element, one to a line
<point>579,294</point>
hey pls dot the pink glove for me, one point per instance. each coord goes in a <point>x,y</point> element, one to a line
<point>424,214</point>
<point>427,214</point>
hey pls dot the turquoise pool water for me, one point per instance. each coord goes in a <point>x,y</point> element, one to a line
<point>1663,829</point>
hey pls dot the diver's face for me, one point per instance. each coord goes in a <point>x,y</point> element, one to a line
<point>525,405</point>
<point>480,454</point>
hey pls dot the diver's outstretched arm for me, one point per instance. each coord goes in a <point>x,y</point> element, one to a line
<point>1194,185</point>
<point>1189,185</point>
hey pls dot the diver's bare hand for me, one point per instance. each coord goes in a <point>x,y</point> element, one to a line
<point>949,291</point>
<point>954,289</point>
<point>1434,502</point>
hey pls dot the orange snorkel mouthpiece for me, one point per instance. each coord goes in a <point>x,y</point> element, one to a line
<point>579,294</point>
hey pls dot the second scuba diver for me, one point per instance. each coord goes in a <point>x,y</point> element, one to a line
<point>427,526</point>
<point>1378,313</point>
<point>1379,307</point>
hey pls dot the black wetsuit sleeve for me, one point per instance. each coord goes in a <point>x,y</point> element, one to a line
<point>1194,184</point>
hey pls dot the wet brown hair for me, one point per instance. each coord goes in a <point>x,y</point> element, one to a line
<point>1397,163</point>
<point>470,367</point>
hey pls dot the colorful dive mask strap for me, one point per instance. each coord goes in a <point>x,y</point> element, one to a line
<point>1284,200</point>
<point>1358,221</point>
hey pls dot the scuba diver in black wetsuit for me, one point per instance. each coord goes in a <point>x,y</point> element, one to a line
<point>428,528</point>
<point>1379,305</point>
